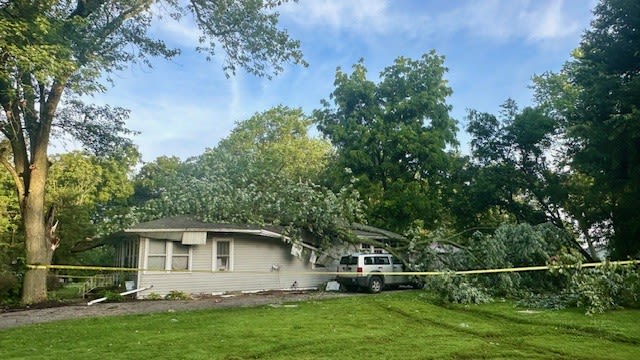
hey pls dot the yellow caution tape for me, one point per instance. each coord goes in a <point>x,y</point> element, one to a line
<point>319,272</point>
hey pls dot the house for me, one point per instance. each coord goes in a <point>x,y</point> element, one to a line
<point>183,254</point>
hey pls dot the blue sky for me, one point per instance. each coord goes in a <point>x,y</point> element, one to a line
<point>492,49</point>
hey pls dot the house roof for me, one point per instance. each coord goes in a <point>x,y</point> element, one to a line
<point>179,224</point>
<point>188,223</point>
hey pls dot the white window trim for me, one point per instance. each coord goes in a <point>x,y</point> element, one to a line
<point>147,244</point>
<point>168,257</point>
<point>214,254</point>
<point>169,262</point>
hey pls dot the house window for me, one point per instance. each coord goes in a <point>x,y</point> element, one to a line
<point>157,255</point>
<point>168,255</point>
<point>180,257</point>
<point>223,255</point>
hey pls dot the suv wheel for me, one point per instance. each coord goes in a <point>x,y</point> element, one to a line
<point>375,284</point>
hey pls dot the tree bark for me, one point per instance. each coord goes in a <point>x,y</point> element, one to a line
<point>40,240</point>
<point>38,249</point>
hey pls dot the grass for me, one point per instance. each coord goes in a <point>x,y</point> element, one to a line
<point>399,325</point>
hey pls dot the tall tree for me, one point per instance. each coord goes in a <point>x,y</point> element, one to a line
<point>517,162</point>
<point>596,96</point>
<point>514,154</point>
<point>55,49</point>
<point>393,136</point>
<point>280,137</point>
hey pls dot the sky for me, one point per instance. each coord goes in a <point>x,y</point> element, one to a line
<point>492,49</point>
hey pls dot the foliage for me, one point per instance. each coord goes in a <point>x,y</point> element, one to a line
<point>177,295</point>
<point>510,245</point>
<point>279,138</point>
<point>241,181</point>
<point>392,320</point>
<point>594,98</point>
<point>53,282</point>
<point>113,296</point>
<point>90,192</point>
<point>512,165</point>
<point>551,301</point>
<point>153,296</point>
<point>9,287</point>
<point>457,289</point>
<point>597,289</point>
<point>392,137</point>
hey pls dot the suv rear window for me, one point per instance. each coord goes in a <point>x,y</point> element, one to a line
<point>349,260</point>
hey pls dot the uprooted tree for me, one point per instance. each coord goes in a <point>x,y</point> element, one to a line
<point>53,52</point>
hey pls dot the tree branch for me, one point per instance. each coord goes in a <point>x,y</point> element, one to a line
<point>84,8</point>
<point>14,175</point>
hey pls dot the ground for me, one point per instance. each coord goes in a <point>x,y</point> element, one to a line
<point>9,319</point>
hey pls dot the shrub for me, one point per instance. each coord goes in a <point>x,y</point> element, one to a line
<point>9,288</point>
<point>53,282</point>
<point>177,295</point>
<point>113,296</point>
<point>153,296</point>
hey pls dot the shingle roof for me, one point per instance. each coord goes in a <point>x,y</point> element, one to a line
<point>189,223</point>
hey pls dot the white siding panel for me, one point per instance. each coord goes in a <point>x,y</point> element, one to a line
<point>201,260</point>
<point>253,258</point>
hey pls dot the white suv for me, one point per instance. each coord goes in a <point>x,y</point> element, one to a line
<point>371,272</point>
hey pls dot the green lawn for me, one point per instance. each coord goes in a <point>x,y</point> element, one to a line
<point>399,325</point>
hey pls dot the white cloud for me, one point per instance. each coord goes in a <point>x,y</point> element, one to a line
<point>513,19</point>
<point>500,20</point>
<point>551,22</point>
<point>364,16</point>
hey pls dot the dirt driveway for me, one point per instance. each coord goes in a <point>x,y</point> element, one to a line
<point>11,319</point>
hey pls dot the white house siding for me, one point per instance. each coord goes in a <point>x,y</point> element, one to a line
<point>258,263</point>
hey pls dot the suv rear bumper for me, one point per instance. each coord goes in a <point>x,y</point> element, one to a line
<point>360,281</point>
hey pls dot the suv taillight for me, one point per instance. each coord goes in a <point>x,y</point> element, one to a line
<point>359,269</point>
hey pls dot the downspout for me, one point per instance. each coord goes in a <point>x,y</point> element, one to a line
<point>122,294</point>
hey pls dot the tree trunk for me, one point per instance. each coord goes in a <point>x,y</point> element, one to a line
<point>40,240</point>
<point>39,245</point>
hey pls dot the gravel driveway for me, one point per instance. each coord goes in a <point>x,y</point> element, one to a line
<point>11,319</point>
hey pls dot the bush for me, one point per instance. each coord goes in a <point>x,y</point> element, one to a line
<point>177,295</point>
<point>113,296</point>
<point>9,288</point>
<point>53,282</point>
<point>153,296</point>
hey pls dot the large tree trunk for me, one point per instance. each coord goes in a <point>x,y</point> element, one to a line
<point>39,245</point>
<point>40,239</point>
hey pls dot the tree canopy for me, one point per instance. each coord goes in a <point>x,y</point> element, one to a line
<point>255,176</point>
<point>595,98</point>
<point>392,137</point>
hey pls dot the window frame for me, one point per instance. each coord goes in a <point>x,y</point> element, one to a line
<point>168,256</point>
<point>188,255</point>
<point>214,254</point>
<point>149,254</point>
